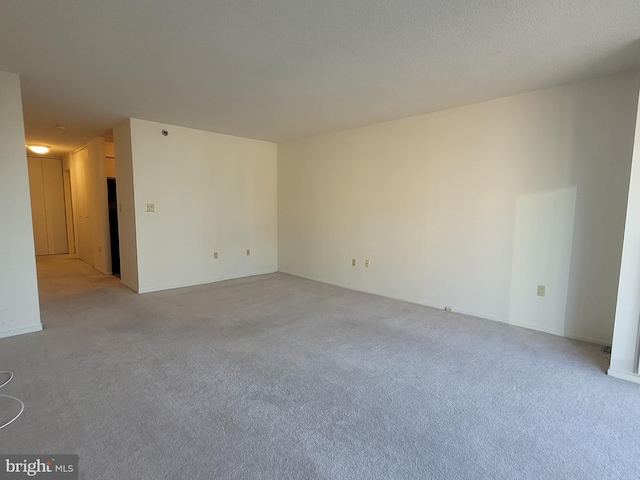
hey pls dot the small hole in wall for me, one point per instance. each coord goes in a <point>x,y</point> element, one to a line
<point>165,133</point>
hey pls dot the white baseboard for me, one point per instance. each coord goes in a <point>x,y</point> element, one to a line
<point>20,331</point>
<point>631,377</point>
<point>559,333</point>
<point>196,283</point>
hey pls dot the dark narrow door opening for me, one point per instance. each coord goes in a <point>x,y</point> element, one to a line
<point>113,226</point>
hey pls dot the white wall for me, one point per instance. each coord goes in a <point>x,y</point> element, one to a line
<point>81,209</point>
<point>68,203</point>
<point>99,205</point>
<point>38,210</point>
<point>90,205</point>
<point>109,160</point>
<point>473,207</point>
<point>624,351</point>
<point>19,307</point>
<point>211,193</point>
<point>126,206</point>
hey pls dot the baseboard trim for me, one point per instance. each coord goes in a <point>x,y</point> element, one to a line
<point>196,283</point>
<point>536,328</point>
<point>631,377</point>
<point>20,331</point>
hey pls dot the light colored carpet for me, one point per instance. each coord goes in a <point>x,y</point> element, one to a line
<point>276,377</point>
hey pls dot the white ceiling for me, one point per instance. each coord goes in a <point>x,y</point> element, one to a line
<point>281,69</point>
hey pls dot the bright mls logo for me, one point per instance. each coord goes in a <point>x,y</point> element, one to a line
<point>51,467</point>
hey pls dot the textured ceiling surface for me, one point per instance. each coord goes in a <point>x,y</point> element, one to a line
<point>284,69</point>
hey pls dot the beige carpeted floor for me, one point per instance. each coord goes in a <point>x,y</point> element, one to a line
<point>275,377</point>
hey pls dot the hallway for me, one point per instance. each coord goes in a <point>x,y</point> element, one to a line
<point>63,276</point>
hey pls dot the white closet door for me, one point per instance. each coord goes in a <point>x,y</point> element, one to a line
<point>47,205</point>
<point>54,205</point>
<point>38,214</point>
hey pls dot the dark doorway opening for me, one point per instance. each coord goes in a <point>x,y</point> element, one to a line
<point>113,226</point>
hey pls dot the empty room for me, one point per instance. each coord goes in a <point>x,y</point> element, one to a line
<point>319,240</point>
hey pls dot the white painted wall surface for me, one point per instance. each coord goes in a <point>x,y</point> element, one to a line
<point>473,207</point>
<point>82,218</point>
<point>626,335</point>
<point>211,193</point>
<point>109,149</point>
<point>99,205</point>
<point>110,167</point>
<point>91,209</point>
<point>38,206</point>
<point>68,203</point>
<point>126,206</point>
<point>109,161</point>
<point>19,307</point>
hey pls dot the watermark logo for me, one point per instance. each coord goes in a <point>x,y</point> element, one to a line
<point>49,467</point>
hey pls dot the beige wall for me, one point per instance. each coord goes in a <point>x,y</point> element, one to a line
<point>473,207</point>
<point>211,193</point>
<point>19,308</point>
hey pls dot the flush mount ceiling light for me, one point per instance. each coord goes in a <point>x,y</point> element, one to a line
<point>38,148</point>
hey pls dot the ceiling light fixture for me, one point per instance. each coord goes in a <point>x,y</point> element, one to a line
<point>41,149</point>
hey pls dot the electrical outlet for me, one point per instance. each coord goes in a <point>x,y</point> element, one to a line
<point>542,290</point>
<point>248,252</point>
<point>215,255</point>
<point>354,262</point>
<point>149,207</point>
<point>366,263</point>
